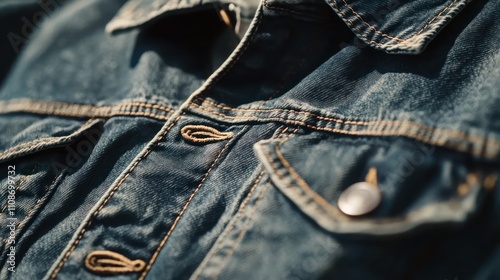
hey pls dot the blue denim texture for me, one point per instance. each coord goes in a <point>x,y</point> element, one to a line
<point>212,139</point>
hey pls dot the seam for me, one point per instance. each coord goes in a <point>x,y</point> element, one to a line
<point>300,182</point>
<point>240,53</point>
<point>453,133</point>
<point>288,137</point>
<point>283,110</point>
<point>227,257</point>
<point>54,104</point>
<point>241,212</point>
<point>282,132</point>
<point>37,204</point>
<point>237,217</point>
<point>99,115</point>
<point>110,195</point>
<point>402,40</point>
<point>174,224</point>
<point>20,184</point>
<point>435,17</point>
<point>49,140</point>
<point>34,207</point>
<point>83,110</point>
<point>329,209</point>
<point>337,120</point>
<point>474,139</point>
<point>147,105</point>
<point>36,141</point>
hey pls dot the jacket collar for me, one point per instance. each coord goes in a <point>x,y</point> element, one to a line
<point>393,26</point>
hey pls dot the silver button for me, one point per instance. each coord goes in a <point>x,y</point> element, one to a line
<point>359,199</point>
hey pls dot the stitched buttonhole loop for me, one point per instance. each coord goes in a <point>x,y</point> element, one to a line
<point>202,134</point>
<point>108,262</point>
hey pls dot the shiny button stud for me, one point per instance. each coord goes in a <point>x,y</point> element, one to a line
<point>359,199</point>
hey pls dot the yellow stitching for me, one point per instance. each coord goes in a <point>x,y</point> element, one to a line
<point>60,108</point>
<point>393,132</point>
<point>371,177</point>
<point>463,189</point>
<point>204,134</point>
<point>472,179</point>
<point>435,17</point>
<point>240,210</point>
<point>37,203</point>
<point>238,55</point>
<point>236,218</point>
<point>53,104</point>
<point>282,110</point>
<point>174,224</point>
<point>145,105</point>
<point>292,172</point>
<point>288,137</point>
<point>386,35</point>
<point>490,181</point>
<point>366,23</point>
<point>111,113</point>
<point>282,132</point>
<point>301,183</point>
<point>36,141</point>
<point>20,184</point>
<point>410,124</point>
<point>82,232</point>
<point>109,262</point>
<point>240,236</point>
<point>278,111</point>
<point>353,25</point>
<point>243,232</point>
<point>458,134</point>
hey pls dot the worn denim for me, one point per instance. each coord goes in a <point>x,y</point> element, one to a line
<point>181,139</point>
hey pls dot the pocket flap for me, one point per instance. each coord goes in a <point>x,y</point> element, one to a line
<point>419,184</point>
<point>45,134</point>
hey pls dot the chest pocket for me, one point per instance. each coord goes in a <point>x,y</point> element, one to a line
<point>34,161</point>
<point>375,186</point>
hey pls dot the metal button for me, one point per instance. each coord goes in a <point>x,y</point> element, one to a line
<point>359,199</point>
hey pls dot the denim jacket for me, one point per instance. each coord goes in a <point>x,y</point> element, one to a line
<point>221,139</point>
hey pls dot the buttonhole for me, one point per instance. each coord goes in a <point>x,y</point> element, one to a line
<point>202,134</point>
<point>109,262</point>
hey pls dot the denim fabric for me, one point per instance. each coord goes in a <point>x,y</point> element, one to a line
<point>212,139</point>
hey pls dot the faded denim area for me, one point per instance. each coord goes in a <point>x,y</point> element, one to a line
<point>212,139</point>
